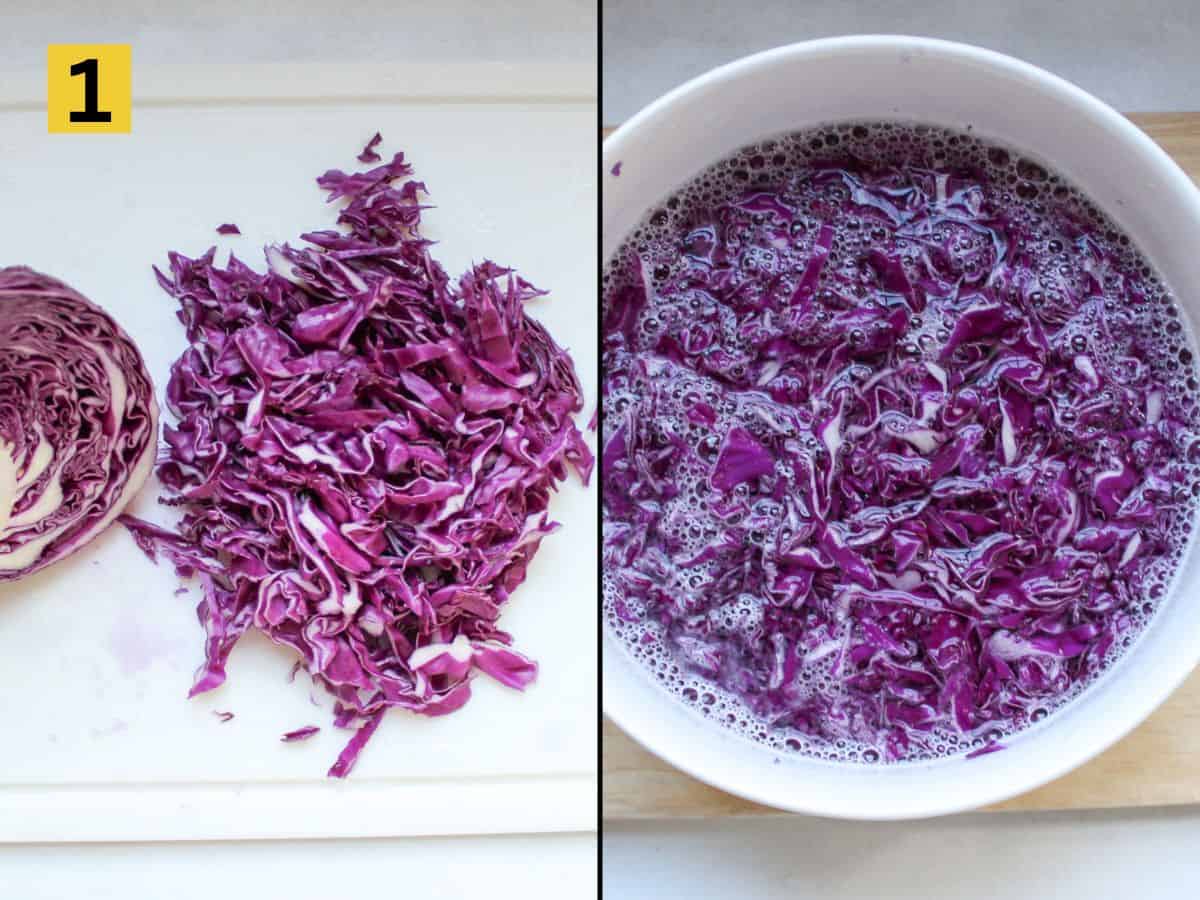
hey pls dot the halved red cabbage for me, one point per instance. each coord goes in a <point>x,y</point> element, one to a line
<point>78,421</point>
<point>364,455</point>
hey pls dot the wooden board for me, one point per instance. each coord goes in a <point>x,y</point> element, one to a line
<point>1158,764</point>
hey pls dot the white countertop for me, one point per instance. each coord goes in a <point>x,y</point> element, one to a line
<point>488,868</point>
<point>366,31</point>
<point>1063,856</point>
<point>1137,57</point>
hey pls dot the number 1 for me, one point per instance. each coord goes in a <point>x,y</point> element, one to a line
<point>91,112</point>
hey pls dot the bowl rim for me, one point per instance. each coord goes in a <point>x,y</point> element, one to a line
<point>1171,673</point>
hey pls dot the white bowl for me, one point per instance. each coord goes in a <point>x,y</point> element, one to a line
<point>1023,107</point>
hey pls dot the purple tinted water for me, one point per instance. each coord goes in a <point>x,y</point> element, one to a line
<point>899,434</point>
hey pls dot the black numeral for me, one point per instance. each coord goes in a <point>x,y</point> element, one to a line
<point>91,111</point>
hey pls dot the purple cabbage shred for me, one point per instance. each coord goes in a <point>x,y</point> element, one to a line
<point>300,734</point>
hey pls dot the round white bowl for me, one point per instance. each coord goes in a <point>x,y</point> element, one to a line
<point>1023,107</point>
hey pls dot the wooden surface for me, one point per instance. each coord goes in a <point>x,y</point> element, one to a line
<point>1158,764</point>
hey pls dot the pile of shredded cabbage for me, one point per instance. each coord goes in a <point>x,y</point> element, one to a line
<point>364,455</point>
<point>890,454</point>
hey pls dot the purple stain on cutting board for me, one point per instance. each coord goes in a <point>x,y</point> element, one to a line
<point>616,170</point>
<point>116,727</point>
<point>136,648</point>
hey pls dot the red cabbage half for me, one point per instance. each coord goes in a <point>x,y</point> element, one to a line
<point>364,454</point>
<point>78,421</point>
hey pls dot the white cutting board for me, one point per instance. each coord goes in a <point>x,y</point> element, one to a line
<point>97,653</point>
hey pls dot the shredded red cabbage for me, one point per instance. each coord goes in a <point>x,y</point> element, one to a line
<point>300,734</point>
<point>364,454</point>
<point>78,421</point>
<point>368,154</point>
<point>895,455</point>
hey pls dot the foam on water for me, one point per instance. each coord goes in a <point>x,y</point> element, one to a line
<point>1039,201</point>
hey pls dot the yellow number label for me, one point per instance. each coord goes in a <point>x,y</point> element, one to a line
<point>89,87</point>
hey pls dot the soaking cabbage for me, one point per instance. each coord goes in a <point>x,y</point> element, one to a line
<point>898,456</point>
